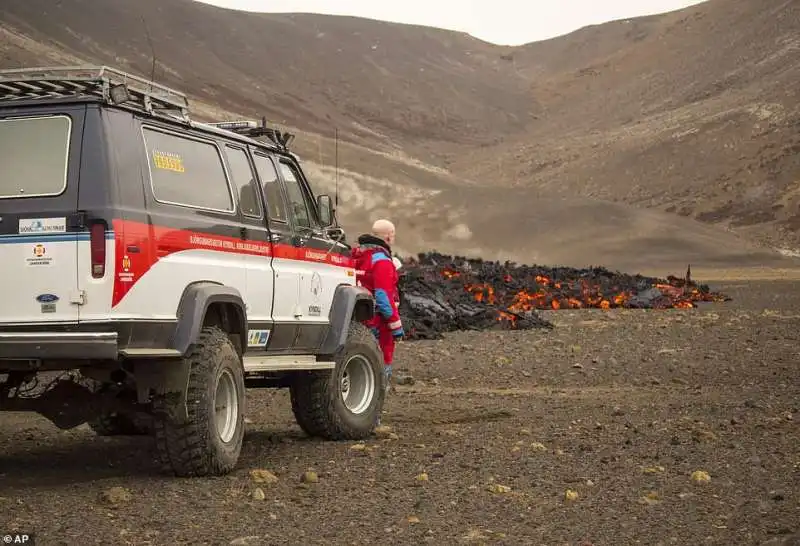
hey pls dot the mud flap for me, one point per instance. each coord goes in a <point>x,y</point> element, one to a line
<point>168,380</point>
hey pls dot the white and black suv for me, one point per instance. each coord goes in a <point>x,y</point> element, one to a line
<point>163,266</point>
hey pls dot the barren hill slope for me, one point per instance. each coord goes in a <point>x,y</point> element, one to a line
<point>695,112</point>
<point>391,84</point>
<point>475,148</point>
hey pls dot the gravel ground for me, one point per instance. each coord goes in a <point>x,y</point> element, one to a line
<point>614,409</point>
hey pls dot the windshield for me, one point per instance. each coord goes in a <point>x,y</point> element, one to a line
<point>33,156</point>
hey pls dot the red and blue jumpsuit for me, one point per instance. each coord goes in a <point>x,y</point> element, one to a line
<point>376,272</point>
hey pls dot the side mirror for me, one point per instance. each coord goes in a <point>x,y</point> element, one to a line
<point>336,234</point>
<point>325,208</point>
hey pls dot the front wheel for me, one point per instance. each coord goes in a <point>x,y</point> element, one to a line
<point>344,403</point>
<point>210,441</point>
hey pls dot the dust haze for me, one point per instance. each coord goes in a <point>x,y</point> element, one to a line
<point>515,225</point>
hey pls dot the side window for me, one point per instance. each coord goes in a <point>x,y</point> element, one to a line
<point>302,208</point>
<point>272,190</point>
<point>188,172</point>
<point>244,181</point>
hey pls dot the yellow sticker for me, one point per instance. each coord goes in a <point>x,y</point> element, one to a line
<point>168,161</point>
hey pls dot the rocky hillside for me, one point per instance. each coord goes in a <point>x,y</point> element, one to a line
<point>692,113</point>
<point>384,83</point>
<point>695,112</point>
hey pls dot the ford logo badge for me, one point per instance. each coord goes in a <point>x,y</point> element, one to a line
<point>47,298</point>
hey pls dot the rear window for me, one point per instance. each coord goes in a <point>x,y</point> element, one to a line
<point>34,153</point>
<point>187,172</point>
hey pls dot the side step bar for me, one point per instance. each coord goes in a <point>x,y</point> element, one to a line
<point>284,363</point>
<point>252,364</point>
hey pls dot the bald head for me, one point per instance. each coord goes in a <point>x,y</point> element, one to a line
<point>384,229</point>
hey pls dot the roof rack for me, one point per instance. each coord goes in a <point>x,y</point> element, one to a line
<point>116,87</point>
<point>111,85</point>
<point>253,129</point>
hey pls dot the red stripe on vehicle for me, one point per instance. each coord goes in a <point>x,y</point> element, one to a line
<point>155,242</point>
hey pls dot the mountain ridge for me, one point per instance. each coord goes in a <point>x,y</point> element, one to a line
<point>692,113</point>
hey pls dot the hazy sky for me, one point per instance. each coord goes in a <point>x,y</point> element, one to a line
<point>507,22</point>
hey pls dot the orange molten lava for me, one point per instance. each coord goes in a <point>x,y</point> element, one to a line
<point>580,294</point>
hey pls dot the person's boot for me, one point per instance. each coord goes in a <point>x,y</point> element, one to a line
<point>387,370</point>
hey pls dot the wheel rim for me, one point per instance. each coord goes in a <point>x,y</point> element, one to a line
<point>226,406</point>
<point>358,384</point>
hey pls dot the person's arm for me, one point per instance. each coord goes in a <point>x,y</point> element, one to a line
<point>383,274</point>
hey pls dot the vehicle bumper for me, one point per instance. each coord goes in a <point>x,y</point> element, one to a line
<point>58,345</point>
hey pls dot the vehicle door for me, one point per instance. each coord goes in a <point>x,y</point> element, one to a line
<point>286,269</point>
<point>325,261</point>
<point>40,230</point>
<point>256,247</point>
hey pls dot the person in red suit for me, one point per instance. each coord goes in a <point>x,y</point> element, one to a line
<point>376,271</point>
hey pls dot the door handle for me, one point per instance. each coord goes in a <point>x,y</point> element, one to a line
<point>275,237</point>
<point>243,232</point>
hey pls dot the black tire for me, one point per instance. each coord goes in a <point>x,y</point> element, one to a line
<point>117,424</point>
<point>195,448</point>
<point>317,401</point>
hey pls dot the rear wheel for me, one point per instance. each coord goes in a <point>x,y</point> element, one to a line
<point>210,441</point>
<point>345,403</point>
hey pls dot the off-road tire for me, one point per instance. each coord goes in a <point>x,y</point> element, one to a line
<point>316,397</point>
<point>194,448</point>
<point>117,424</point>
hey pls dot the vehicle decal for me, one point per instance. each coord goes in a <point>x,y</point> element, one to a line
<point>43,225</point>
<point>168,161</point>
<point>157,242</point>
<point>39,257</point>
<point>257,338</point>
<point>316,286</point>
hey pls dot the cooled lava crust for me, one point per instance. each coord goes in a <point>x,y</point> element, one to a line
<point>442,293</point>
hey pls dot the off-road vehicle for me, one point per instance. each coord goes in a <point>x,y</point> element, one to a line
<point>156,266</point>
